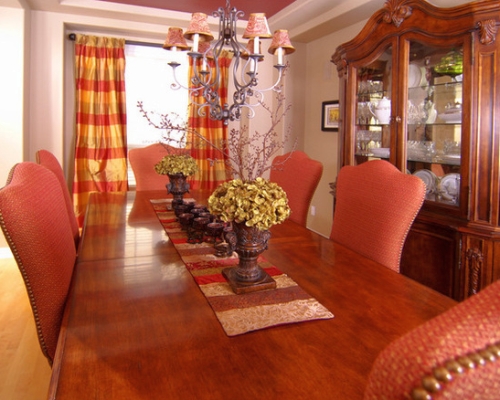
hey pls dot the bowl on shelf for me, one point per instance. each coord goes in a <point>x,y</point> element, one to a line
<point>452,64</point>
<point>452,113</point>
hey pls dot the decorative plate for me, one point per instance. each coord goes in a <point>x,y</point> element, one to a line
<point>414,75</point>
<point>449,187</point>
<point>429,179</point>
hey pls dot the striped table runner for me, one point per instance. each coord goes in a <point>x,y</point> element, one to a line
<point>238,314</point>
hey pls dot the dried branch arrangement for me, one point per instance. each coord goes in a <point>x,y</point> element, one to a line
<point>246,156</point>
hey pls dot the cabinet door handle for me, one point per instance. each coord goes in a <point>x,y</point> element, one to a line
<point>398,119</point>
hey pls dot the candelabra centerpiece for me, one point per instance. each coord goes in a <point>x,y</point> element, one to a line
<point>205,53</point>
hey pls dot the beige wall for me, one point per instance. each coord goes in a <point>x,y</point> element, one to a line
<point>13,113</point>
<point>322,84</point>
<point>12,88</point>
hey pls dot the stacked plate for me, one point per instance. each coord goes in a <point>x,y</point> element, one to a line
<point>416,76</point>
<point>382,152</point>
<point>449,187</point>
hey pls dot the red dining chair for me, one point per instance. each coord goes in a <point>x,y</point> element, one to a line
<point>48,160</point>
<point>456,355</point>
<point>143,160</point>
<point>299,176</point>
<point>375,206</point>
<point>33,217</point>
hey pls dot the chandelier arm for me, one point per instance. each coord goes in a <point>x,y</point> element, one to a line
<point>204,77</point>
<point>249,109</point>
<point>244,84</point>
<point>194,95</point>
<point>244,68</point>
<point>278,80</point>
<point>176,85</point>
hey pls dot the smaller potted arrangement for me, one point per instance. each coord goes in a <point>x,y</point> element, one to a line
<point>178,167</point>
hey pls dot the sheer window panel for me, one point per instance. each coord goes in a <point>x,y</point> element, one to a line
<point>148,78</point>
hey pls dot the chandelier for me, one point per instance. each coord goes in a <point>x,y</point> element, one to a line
<point>206,80</point>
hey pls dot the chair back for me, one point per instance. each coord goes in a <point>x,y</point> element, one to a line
<point>456,355</point>
<point>33,217</point>
<point>48,160</point>
<point>375,206</point>
<point>143,160</point>
<point>299,176</point>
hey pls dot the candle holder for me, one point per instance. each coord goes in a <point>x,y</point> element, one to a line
<point>186,220</point>
<point>197,231</point>
<point>214,232</point>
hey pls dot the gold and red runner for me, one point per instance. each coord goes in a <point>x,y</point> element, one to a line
<point>238,314</point>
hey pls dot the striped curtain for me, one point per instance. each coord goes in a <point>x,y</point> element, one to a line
<point>210,175</point>
<point>101,140</point>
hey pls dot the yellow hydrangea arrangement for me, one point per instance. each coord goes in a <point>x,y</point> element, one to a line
<point>176,164</point>
<point>259,203</point>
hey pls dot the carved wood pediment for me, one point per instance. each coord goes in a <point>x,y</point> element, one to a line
<point>396,11</point>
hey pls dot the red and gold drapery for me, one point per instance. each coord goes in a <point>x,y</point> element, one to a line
<point>211,174</point>
<point>101,139</point>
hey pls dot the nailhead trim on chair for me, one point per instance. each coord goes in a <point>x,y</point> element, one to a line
<point>445,373</point>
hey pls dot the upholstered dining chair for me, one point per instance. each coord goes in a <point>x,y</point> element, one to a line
<point>48,160</point>
<point>375,206</point>
<point>33,217</point>
<point>456,355</point>
<point>299,176</point>
<point>143,160</point>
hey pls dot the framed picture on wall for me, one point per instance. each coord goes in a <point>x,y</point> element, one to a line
<point>330,116</point>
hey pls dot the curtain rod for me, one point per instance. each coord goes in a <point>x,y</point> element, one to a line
<point>72,36</point>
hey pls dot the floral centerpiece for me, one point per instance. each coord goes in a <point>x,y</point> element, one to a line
<point>258,203</point>
<point>252,207</point>
<point>178,167</point>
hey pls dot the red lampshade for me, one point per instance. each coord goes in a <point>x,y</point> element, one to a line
<point>199,25</point>
<point>257,27</point>
<point>281,39</point>
<point>175,39</point>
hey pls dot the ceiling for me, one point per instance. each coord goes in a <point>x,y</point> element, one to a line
<point>269,7</point>
<point>306,20</point>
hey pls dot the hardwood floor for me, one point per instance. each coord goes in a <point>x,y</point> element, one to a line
<point>24,371</point>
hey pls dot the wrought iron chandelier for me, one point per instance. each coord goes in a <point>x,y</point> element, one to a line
<point>205,54</point>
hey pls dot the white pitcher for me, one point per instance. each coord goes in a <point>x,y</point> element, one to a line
<point>382,110</point>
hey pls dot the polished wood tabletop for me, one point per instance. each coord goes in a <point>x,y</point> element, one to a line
<point>138,327</point>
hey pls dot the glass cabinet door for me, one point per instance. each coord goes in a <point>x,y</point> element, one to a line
<point>373,112</point>
<point>434,120</point>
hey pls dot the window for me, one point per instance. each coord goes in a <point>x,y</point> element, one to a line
<point>148,78</point>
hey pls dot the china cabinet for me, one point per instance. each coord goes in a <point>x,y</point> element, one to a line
<point>420,87</point>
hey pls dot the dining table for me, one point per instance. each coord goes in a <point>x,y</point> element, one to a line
<point>137,326</point>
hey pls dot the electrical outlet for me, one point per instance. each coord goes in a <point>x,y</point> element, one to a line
<point>313,210</point>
